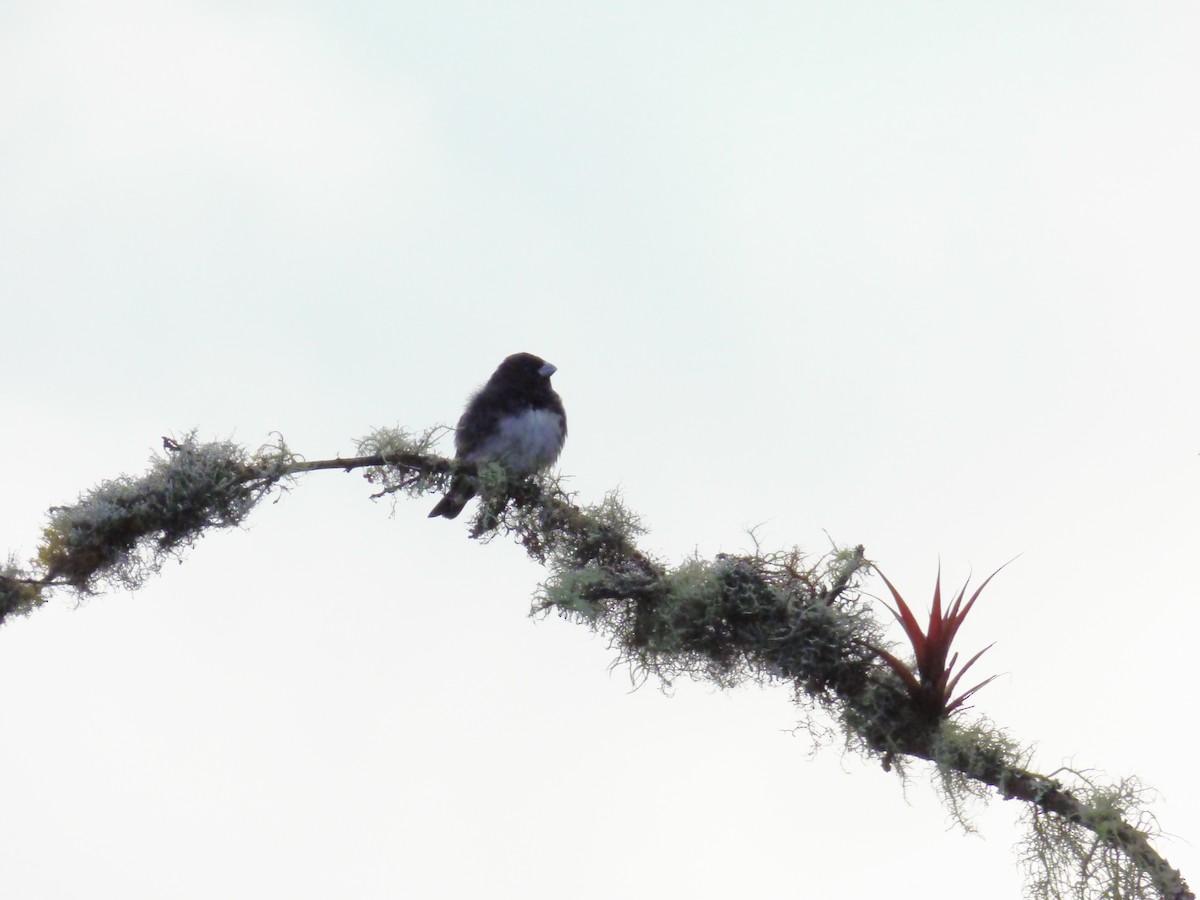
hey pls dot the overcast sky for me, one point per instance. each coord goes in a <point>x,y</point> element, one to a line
<point>921,276</point>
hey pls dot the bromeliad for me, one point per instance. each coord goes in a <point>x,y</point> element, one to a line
<point>931,681</point>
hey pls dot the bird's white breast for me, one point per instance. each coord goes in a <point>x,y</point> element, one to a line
<point>525,442</point>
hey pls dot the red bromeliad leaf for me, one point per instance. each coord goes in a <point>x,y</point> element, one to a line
<point>945,676</point>
<point>934,637</point>
<point>958,701</point>
<point>933,676</point>
<point>905,673</point>
<point>957,614</point>
<point>961,672</point>
<point>963,697</point>
<point>916,636</point>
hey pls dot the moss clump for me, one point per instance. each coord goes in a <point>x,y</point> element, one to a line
<point>732,618</point>
<point>410,466</point>
<point>396,443</point>
<point>1100,854</point>
<point>121,531</point>
<point>967,759</point>
<point>19,595</point>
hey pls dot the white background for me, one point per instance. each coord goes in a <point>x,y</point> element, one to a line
<point>922,276</point>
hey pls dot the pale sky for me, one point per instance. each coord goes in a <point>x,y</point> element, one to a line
<point>920,276</point>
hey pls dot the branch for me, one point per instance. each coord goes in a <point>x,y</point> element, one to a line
<point>766,617</point>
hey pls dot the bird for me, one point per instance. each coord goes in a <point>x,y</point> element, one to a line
<point>516,419</point>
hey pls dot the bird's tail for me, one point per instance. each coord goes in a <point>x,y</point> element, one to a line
<point>461,490</point>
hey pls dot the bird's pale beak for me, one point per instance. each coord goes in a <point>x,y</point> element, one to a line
<point>547,370</point>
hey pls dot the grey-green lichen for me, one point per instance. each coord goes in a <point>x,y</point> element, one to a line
<point>966,756</point>
<point>121,531</point>
<point>19,594</point>
<point>756,616</point>
<point>409,465</point>
<point>1099,855</point>
<point>395,443</point>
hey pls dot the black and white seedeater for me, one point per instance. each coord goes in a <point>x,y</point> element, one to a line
<point>516,419</point>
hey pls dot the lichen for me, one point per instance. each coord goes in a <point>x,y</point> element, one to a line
<point>400,448</point>
<point>19,593</point>
<point>966,758</point>
<point>123,530</point>
<point>1097,856</point>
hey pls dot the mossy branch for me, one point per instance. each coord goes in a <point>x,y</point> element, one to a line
<point>761,616</point>
<point>120,532</point>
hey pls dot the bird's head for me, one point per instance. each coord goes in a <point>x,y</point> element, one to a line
<point>524,368</point>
